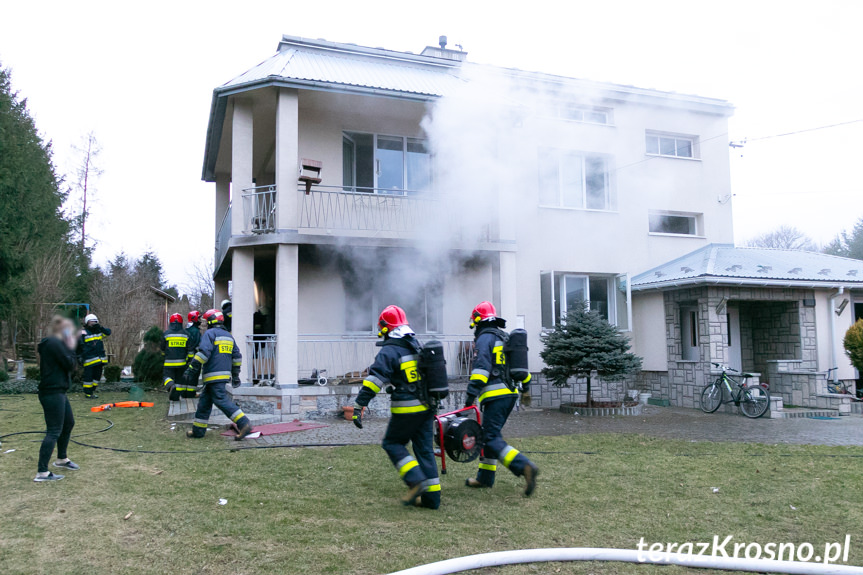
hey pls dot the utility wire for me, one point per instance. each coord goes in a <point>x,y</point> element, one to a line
<point>741,143</point>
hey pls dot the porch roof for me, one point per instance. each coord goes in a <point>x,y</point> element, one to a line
<point>730,265</point>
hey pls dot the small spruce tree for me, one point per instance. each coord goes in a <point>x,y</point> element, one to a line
<point>853,343</point>
<point>149,361</point>
<point>582,343</point>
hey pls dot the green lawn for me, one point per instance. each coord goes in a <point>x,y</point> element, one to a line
<point>335,510</point>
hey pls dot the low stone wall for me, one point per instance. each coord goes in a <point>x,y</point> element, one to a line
<point>547,396</point>
<point>796,386</point>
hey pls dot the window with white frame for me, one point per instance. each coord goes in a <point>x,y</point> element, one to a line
<point>578,113</point>
<point>608,295</point>
<point>573,180</point>
<point>674,223</point>
<point>423,307</point>
<point>675,146</point>
<point>385,164</point>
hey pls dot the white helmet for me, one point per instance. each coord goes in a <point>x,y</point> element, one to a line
<point>225,302</point>
<point>91,317</point>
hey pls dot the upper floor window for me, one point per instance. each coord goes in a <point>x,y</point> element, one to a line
<point>583,114</point>
<point>675,223</point>
<point>677,146</point>
<point>573,180</point>
<point>608,295</point>
<point>386,164</point>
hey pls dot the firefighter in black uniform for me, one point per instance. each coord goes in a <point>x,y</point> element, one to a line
<point>175,347</point>
<point>490,386</point>
<point>193,328</point>
<point>220,360</point>
<point>91,353</point>
<point>227,311</point>
<point>395,369</point>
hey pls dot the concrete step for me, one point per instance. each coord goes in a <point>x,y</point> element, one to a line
<point>183,411</point>
<point>805,413</point>
<point>857,407</point>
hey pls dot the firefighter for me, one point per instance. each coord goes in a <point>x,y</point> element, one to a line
<point>491,386</point>
<point>219,358</point>
<point>227,312</point>
<point>193,328</point>
<point>91,353</point>
<point>395,369</point>
<point>175,347</point>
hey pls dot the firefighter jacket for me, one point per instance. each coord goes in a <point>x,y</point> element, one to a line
<point>488,374</point>
<point>91,345</point>
<point>175,346</point>
<point>218,356</point>
<point>194,339</point>
<point>227,311</point>
<point>396,365</point>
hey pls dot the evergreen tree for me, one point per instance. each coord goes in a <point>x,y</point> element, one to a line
<point>583,343</point>
<point>848,244</point>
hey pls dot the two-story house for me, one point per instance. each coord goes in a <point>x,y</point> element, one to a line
<point>348,178</point>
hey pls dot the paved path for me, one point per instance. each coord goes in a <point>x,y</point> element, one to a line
<point>665,422</point>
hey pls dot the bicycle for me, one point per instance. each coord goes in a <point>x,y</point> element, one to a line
<point>838,386</point>
<point>753,400</point>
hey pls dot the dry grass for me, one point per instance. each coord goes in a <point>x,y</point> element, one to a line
<point>334,510</point>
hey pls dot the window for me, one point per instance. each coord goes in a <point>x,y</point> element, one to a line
<point>573,180</point>
<point>681,224</point>
<point>423,308</point>
<point>608,295</point>
<point>689,333</point>
<point>582,114</point>
<point>385,164</point>
<point>671,145</point>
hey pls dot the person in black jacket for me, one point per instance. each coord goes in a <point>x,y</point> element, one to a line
<point>91,352</point>
<point>175,347</point>
<point>228,312</point>
<point>395,367</point>
<point>57,361</point>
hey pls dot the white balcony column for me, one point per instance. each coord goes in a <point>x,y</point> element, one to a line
<point>241,161</point>
<point>243,303</point>
<point>223,198</point>
<point>287,158</point>
<point>220,292</point>
<point>287,304</point>
<point>507,278</point>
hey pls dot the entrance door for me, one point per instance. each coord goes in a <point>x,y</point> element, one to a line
<point>735,358</point>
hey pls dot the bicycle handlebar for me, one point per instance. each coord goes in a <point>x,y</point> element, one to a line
<point>724,367</point>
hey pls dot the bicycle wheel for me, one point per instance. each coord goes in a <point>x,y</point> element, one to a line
<point>711,397</point>
<point>754,401</point>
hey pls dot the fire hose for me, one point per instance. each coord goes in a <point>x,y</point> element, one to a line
<point>499,558</point>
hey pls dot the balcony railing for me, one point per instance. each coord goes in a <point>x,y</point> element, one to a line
<point>261,358</point>
<point>223,237</point>
<point>334,208</point>
<point>344,358</point>
<point>259,210</point>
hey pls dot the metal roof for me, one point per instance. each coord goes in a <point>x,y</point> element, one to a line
<point>339,68</point>
<point>727,264</point>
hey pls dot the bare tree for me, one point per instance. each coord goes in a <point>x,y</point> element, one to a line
<point>87,171</point>
<point>200,286</point>
<point>785,238</point>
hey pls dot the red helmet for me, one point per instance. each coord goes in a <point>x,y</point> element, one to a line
<point>194,316</point>
<point>392,317</point>
<point>213,316</point>
<point>175,318</point>
<point>482,311</point>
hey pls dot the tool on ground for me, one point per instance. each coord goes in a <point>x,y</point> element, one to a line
<point>458,436</point>
<point>109,406</point>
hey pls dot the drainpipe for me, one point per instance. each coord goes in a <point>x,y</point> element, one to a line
<point>832,326</point>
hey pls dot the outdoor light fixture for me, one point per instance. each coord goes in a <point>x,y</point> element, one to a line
<point>841,307</point>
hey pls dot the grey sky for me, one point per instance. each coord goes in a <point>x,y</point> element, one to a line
<point>141,77</point>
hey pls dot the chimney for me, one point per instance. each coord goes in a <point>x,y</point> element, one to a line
<point>443,52</point>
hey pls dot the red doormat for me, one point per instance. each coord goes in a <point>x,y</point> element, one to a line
<point>276,428</point>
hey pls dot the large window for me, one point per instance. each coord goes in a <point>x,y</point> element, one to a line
<point>674,223</point>
<point>422,306</point>
<point>676,146</point>
<point>573,180</point>
<point>608,295</point>
<point>385,164</point>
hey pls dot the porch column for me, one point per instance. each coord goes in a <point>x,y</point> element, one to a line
<point>287,158</point>
<point>241,162</point>
<point>507,283</point>
<point>223,198</point>
<point>287,304</point>
<point>220,293</point>
<point>243,303</point>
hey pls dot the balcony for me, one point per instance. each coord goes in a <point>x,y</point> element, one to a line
<point>259,210</point>
<point>333,209</point>
<point>343,358</point>
<point>223,237</point>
